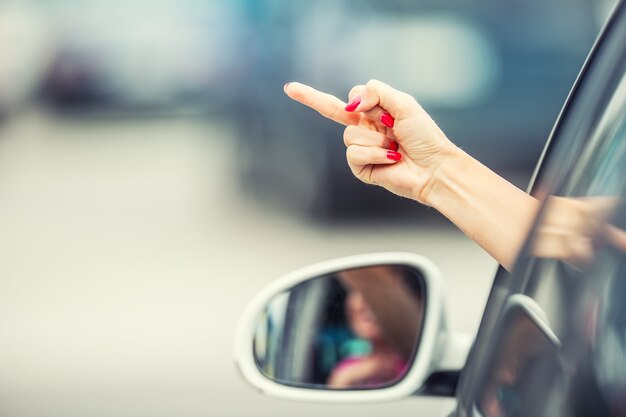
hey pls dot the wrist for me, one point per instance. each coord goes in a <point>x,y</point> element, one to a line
<point>451,160</point>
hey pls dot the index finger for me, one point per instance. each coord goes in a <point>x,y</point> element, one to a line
<point>325,104</point>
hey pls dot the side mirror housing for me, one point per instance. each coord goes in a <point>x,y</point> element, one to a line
<point>357,329</point>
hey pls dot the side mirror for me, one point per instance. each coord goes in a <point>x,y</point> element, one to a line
<point>524,359</point>
<point>362,328</point>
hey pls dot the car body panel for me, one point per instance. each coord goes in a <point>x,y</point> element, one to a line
<point>561,295</point>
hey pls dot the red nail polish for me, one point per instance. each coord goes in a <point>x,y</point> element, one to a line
<point>354,103</point>
<point>393,145</point>
<point>394,156</point>
<point>387,120</point>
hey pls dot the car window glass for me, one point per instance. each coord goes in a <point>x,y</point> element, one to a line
<point>575,271</point>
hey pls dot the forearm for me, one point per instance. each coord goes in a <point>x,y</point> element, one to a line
<point>487,208</point>
<point>353,375</point>
<point>572,229</point>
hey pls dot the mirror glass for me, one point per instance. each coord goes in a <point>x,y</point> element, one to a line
<point>352,329</point>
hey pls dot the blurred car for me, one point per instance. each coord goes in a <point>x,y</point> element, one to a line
<point>552,338</point>
<point>122,56</point>
<point>491,73</point>
<point>26,54</point>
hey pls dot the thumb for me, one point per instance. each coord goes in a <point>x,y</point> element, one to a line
<point>376,93</point>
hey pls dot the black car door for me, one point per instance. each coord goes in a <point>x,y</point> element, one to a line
<point>553,337</point>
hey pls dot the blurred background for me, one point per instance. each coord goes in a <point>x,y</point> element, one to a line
<point>153,176</point>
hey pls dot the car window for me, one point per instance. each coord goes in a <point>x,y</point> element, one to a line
<point>582,167</point>
<point>574,271</point>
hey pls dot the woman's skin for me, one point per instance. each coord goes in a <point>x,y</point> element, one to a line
<point>392,142</point>
<point>574,229</point>
<point>429,169</point>
<point>396,308</point>
<point>384,311</point>
<point>381,365</point>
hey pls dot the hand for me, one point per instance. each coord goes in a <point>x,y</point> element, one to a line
<point>574,229</point>
<point>425,166</point>
<point>371,371</point>
<point>391,141</point>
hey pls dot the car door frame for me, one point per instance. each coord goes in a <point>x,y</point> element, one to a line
<point>578,114</point>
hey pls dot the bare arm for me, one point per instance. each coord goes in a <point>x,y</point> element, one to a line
<point>491,211</point>
<point>429,168</point>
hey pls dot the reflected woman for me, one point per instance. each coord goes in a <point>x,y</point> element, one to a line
<point>384,311</point>
<point>382,365</point>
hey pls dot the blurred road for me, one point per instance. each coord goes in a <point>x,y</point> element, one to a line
<point>127,252</point>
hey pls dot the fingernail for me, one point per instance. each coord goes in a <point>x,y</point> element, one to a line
<point>394,156</point>
<point>354,103</point>
<point>286,84</point>
<point>393,145</point>
<point>387,120</point>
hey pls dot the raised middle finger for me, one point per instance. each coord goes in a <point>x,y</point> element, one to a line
<point>326,104</point>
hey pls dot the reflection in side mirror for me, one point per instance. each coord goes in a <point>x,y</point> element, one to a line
<point>523,357</point>
<point>351,329</point>
<point>302,338</point>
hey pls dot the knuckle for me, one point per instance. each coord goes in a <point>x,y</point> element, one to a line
<point>410,100</point>
<point>354,90</point>
<point>348,134</point>
<point>351,153</point>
